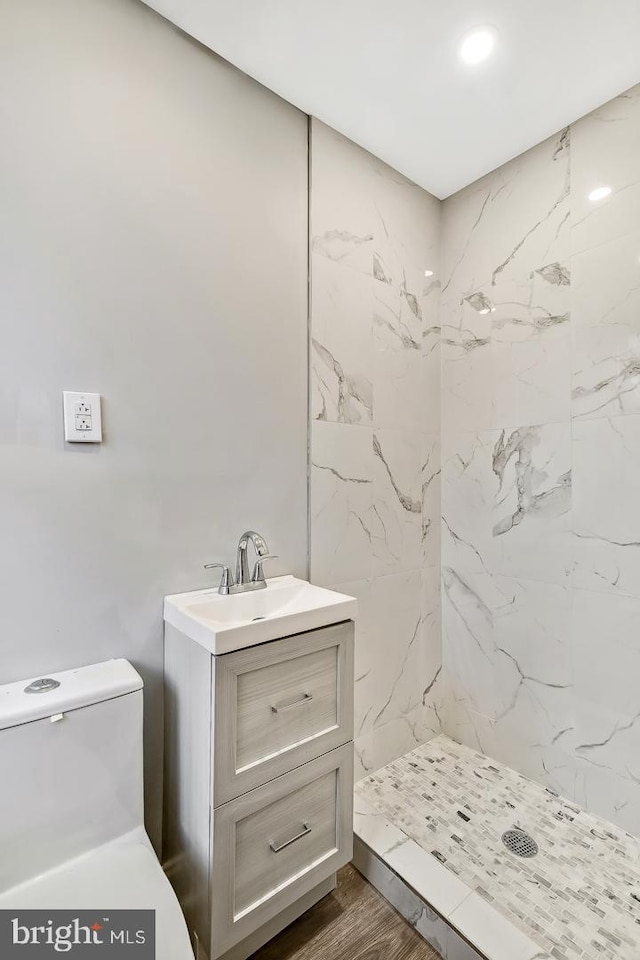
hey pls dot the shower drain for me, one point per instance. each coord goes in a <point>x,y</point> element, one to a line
<point>520,843</point>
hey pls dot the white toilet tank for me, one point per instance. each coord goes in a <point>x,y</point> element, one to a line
<point>70,767</point>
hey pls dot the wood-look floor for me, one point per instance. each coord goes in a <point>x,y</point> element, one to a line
<point>352,923</point>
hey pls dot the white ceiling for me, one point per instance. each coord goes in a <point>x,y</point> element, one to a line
<point>386,72</point>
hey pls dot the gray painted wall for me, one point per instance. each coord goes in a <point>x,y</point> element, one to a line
<point>153,249</point>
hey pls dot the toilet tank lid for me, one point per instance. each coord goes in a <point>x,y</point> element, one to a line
<point>71,689</point>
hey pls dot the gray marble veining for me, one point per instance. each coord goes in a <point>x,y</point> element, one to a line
<point>553,500</point>
<point>353,393</point>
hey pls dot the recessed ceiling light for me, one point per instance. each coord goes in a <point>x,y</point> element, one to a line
<point>477,45</point>
<point>428,273</point>
<point>600,193</point>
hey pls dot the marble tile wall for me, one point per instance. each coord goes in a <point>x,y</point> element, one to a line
<point>375,433</point>
<point>540,316</point>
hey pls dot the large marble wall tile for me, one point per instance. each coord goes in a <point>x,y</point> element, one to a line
<point>506,295</point>
<point>468,488</point>
<point>388,668</point>
<point>468,585</point>
<point>431,500</point>
<point>533,374</point>
<point>506,502</point>
<point>433,689</point>
<point>398,390</point>
<point>341,502</point>
<point>397,670</point>
<point>506,482</point>
<point>601,792</point>
<point>516,745</point>
<point>535,738</point>
<point>407,232</point>
<point>504,369</point>
<point>606,466</point>
<point>343,215</point>
<point>532,632</point>
<point>606,648</point>
<point>469,652</point>
<point>431,374</point>
<point>606,328</point>
<point>392,740</point>
<point>508,641</point>
<point>365,644</point>
<point>532,629</point>
<point>509,224</point>
<point>530,302</point>
<point>531,516</point>
<point>341,344</point>
<point>541,450</point>
<point>367,216</point>
<point>406,327</point>
<point>507,367</point>
<point>429,301</point>
<point>397,320</point>
<point>468,369</point>
<point>375,483</point>
<point>465,725</point>
<point>605,151</point>
<point>396,520</point>
<point>391,679</point>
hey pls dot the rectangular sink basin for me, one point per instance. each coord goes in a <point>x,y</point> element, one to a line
<point>286,606</point>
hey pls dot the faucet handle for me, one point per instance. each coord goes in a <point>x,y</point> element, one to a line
<point>226,580</point>
<point>258,574</point>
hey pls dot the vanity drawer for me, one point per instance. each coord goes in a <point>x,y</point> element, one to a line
<point>280,704</point>
<point>276,843</point>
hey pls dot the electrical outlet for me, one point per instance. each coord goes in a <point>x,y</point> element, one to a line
<point>82,417</point>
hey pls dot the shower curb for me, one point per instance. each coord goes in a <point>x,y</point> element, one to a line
<point>447,913</point>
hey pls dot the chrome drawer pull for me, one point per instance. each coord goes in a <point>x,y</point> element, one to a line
<point>278,847</point>
<point>288,704</point>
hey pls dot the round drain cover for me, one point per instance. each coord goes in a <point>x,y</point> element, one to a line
<point>520,843</point>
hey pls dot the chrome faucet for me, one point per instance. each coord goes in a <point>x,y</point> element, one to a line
<point>242,565</point>
<point>243,582</point>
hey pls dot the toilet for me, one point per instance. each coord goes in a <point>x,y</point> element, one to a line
<point>72,831</point>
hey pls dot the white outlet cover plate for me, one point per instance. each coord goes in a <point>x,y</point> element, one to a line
<point>82,417</point>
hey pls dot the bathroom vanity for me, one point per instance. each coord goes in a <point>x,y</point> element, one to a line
<point>258,758</point>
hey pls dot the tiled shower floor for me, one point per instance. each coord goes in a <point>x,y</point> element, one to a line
<point>579,898</point>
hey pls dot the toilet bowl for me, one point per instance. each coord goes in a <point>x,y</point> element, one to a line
<point>72,833</point>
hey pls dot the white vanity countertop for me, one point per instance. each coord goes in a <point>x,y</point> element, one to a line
<point>286,606</point>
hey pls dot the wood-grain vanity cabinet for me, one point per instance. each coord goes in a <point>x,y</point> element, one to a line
<point>258,799</point>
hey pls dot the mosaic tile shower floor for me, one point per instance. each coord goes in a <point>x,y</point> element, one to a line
<point>579,898</point>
